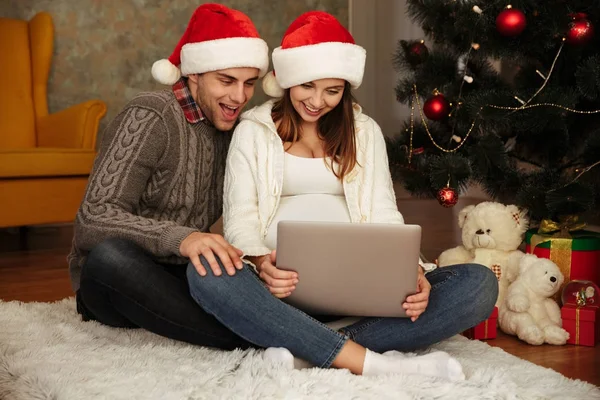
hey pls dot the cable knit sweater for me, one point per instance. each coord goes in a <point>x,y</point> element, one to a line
<point>254,177</point>
<point>156,179</point>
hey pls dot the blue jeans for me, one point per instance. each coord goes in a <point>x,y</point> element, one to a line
<point>461,297</point>
<point>122,285</point>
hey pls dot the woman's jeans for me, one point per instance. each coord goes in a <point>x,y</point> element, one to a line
<point>461,297</point>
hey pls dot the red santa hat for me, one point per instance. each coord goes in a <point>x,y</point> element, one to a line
<point>315,46</point>
<point>216,37</point>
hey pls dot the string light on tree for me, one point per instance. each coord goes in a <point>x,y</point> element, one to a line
<point>511,22</point>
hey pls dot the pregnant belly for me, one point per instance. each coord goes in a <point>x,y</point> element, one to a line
<point>307,207</point>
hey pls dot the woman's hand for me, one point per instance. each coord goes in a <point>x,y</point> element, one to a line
<point>280,283</point>
<point>416,304</point>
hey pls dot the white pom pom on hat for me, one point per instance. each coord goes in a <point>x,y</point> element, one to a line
<point>165,72</point>
<point>270,85</point>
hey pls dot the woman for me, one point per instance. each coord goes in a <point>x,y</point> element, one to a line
<point>313,155</point>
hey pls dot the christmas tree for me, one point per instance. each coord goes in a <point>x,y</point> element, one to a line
<point>529,132</point>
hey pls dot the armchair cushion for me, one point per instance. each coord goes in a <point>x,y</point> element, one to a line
<point>45,162</point>
<point>74,127</point>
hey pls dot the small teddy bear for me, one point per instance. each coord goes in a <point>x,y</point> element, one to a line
<point>491,233</point>
<point>528,311</point>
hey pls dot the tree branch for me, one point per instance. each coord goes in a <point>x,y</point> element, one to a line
<point>517,157</point>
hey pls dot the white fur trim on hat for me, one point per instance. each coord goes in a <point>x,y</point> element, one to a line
<point>214,55</point>
<point>297,65</point>
<point>270,85</point>
<point>165,72</point>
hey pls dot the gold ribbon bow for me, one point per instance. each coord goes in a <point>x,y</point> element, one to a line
<point>561,239</point>
<point>562,228</point>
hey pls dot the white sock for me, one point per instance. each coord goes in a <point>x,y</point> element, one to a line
<point>283,357</point>
<point>437,364</point>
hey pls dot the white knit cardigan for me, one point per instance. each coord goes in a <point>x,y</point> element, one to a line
<point>254,177</point>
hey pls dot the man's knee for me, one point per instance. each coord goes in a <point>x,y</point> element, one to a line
<point>108,257</point>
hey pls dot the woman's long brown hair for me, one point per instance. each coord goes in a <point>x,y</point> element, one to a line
<point>336,129</point>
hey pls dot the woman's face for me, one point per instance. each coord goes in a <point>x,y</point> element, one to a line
<point>314,99</point>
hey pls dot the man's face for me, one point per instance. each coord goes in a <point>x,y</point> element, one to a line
<point>221,95</point>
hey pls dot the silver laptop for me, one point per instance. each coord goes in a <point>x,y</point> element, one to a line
<point>350,269</point>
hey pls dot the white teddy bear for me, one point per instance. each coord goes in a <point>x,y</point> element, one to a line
<point>491,233</point>
<point>528,311</point>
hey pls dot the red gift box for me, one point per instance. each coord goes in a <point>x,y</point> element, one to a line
<point>578,256</point>
<point>581,312</point>
<point>582,324</point>
<point>485,330</point>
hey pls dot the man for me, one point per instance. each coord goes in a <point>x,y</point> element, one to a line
<point>157,186</point>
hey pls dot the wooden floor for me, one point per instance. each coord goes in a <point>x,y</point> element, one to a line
<point>39,273</point>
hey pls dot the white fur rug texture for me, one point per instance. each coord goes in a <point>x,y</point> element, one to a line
<point>48,353</point>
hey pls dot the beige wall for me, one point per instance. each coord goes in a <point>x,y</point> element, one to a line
<point>378,26</point>
<point>105,48</point>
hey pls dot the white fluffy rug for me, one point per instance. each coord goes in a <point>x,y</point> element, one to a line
<point>46,352</point>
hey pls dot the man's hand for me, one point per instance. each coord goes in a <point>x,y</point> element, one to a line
<point>416,304</point>
<point>280,283</point>
<point>209,244</point>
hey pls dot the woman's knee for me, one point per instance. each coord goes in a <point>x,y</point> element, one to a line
<point>484,284</point>
<point>210,284</point>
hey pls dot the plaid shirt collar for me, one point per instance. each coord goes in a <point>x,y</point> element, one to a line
<point>192,112</point>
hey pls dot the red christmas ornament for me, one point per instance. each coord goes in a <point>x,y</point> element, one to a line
<point>447,197</point>
<point>581,30</point>
<point>436,107</point>
<point>417,53</point>
<point>511,22</point>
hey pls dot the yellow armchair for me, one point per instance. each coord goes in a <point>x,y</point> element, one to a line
<point>45,159</point>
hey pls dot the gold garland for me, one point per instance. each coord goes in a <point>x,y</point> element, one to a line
<point>424,120</point>
<point>525,105</point>
<point>478,115</point>
<point>541,105</point>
